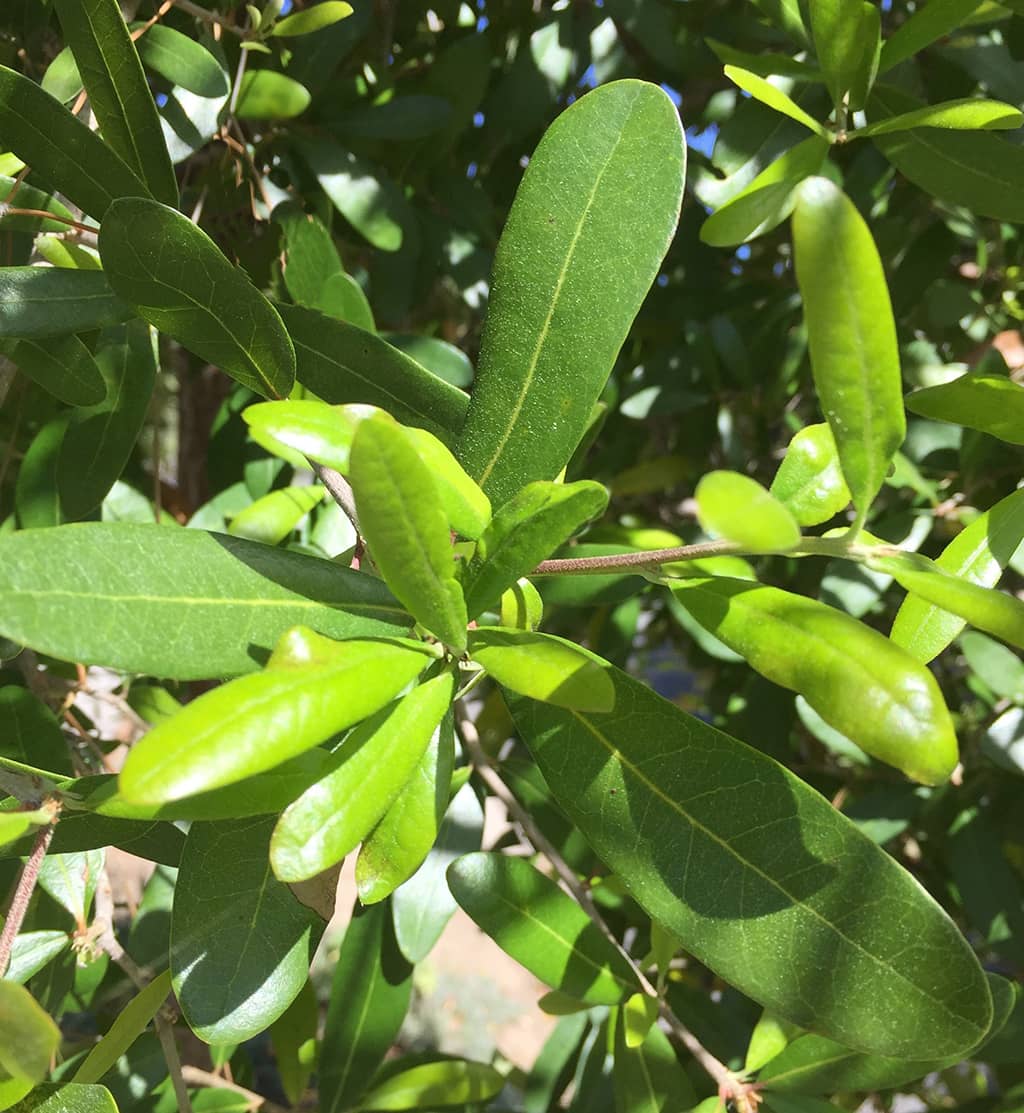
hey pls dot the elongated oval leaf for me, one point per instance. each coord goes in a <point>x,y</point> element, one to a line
<point>313,19</point>
<point>63,592</point>
<point>364,779</point>
<point>592,219</point>
<point>50,301</point>
<point>28,1037</point>
<point>851,334</point>
<point>784,919</point>
<point>321,432</point>
<point>183,61</point>
<point>63,365</point>
<point>809,482</point>
<point>977,555</point>
<point>177,279</point>
<point>837,28</point>
<point>61,149</point>
<point>968,114</point>
<point>932,21</point>
<point>857,680</point>
<point>129,1024</point>
<point>738,508</point>
<point>448,1082</point>
<point>466,507</point>
<point>272,518</point>
<point>118,93</point>
<point>268,95</point>
<point>774,97</point>
<point>401,517</point>
<point>988,403</point>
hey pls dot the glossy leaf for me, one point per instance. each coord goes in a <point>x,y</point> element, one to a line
<point>128,1025</point>
<point>851,334</point>
<point>648,1078</point>
<point>370,995</point>
<point>466,507</point>
<point>256,722</point>
<point>521,606</point>
<point>63,592</point>
<point>51,301</point>
<point>268,95</point>
<point>774,97</point>
<point>28,1037</point>
<point>604,186</point>
<point>739,509</point>
<point>401,517</point>
<point>342,363</point>
<point>783,919</point>
<point>969,114</point>
<point>543,667</point>
<point>241,943</point>
<point>67,1097</point>
<point>447,1082</point>
<point>118,93</point>
<point>32,950</point>
<point>63,365</point>
<point>809,482</point>
<point>541,927</point>
<point>321,432</point>
<point>183,61</point>
<point>61,149</point>
<point>272,518</point>
<point>528,528</point>
<point>62,79</point>
<point>364,778</point>
<point>177,279</point>
<point>989,403</point>
<point>312,19</point>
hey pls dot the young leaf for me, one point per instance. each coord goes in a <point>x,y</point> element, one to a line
<point>543,667</point>
<point>128,1025</point>
<point>321,432</point>
<point>63,365</point>
<point>857,680</point>
<point>61,149</point>
<point>977,555</point>
<point>118,93</point>
<point>313,19</point>
<point>177,279</point>
<point>28,1037</point>
<point>768,94</point>
<point>783,919</point>
<point>182,60</point>
<point>363,780</point>
<point>312,689</point>
<point>648,1078</point>
<point>448,1082</point>
<point>401,517</point>
<point>466,507</point>
<point>851,334</point>
<point>521,606</point>
<point>241,943</point>
<point>968,114</point>
<point>51,301</point>
<point>272,518</point>
<point>809,482</point>
<point>62,592</point>
<point>768,1039</point>
<point>738,508</point>
<point>988,403</point>
<point>528,528</point>
<point>591,222</point>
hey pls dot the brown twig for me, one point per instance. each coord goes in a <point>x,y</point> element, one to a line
<point>208,16</point>
<point>618,561</point>
<point>23,893</point>
<point>196,1077</point>
<point>8,210</point>
<point>339,489</point>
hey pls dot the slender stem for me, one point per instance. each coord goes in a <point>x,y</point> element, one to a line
<point>165,1034</point>
<point>339,488</point>
<point>236,88</point>
<point>9,210</point>
<point>23,894</point>
<point>196,1077</point>
<point>208,16</point>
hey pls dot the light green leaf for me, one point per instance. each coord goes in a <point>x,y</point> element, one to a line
<point>852,335</point>
<point>782,918</point>
<point>769,94</point>
<point>293,1037</point>
<point>837,27</point>
<point>401,517</point>
<point>268,95</point>
<point>67,1097</point>
<point>543,667</point>
<point>769,1038</point>
<point>312,19</point>
<point>28,1037</point>
<point>647,1077</point>
<point>449,1082</point>
<point>61,149</point>
<point>809,482</point>
<point>739,509</point>
<point>528,528</point>
<point>968,114</point>
<point>858,681</point>
<point>71,879</point>
<point>364,778</point>
<point>312,688</point>
<point>62,593</point>
<point>32,950</point>
<point>118,93</point>
<point>182,60</point>
<point>989,403</point>
<point>128,1025</point>
<point>50,301</point>
<point>241,943</point>
<point>928,23</point>
<point>13,825</point>
<point>272,518</point>
<point>177,279</point>
<point>321,432</point>
<point>63,365</point>
<point>604,185</point>
<point>62,79</point>
<point>466,507</point>
<point>521,606</point>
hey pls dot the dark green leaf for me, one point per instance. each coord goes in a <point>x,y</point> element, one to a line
<point>437,356</point>
<point>648,1078</point>
<point>83,831</point>
<point>989,403</point>
<point>128,1025</point>
<point>54,301</point>
<point>30,733</point>
<point>63,365</point>
<point>293,1036</point>
<point>36,496</point>
<point>183,61</point>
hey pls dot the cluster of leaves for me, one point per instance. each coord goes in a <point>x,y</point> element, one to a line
<point>331,627</point>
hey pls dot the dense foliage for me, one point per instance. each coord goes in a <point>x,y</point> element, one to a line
<point>400,409</point>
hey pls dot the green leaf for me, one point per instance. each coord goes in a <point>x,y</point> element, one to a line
<point>51,301</point>
<point>852,335</point>
<point>100,439</point>
<point>521,606</point>
<point>63,365</point>
<point>998,667</point>
<point>775,98</point>
<point>593,217</point>
<point>342,363</point>
<point>312,19</point>
<point>809,482</point>
<point>543,667</point>
<point>321,432</point>
<point>241,943</point>
<point>968,114</point>
<point>268,95</point>
<point>985,608</point>
<point>542,928</point>
<point>866,52</point>
<point>79,832</point>
<point>293,1037</point>
<point>858,681</point>
<point>768,1039</point>
<point>648,1078</point>
<point>28,1037</point>
<point>783,918</point>
<point>13,825</point>
<point>977,555</point>
<point>128,1025</point>
<point>837,27</point>
<point>118,93</point>
<point>312,688</point>
<point>401,517</point>
<point>272,518</point>
<point>525,530</point>
<point>62,79</point>
<point>35,494</point>
<point>62,593</point>
<point>182,60</point>
<point>928,23</point>
<point>739,509</point>
<point>32,950</point>
<point>71,880</point>
<point>67,1097</point>
<point>364,778</point>
<point>466,507</point>
<point>437,356</point>
<point>30,732</point>
<point>177,279</point>
<point>370,996</point>
<point>988,403</point>
<point>61,149</point>
<point>448,1082</point>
